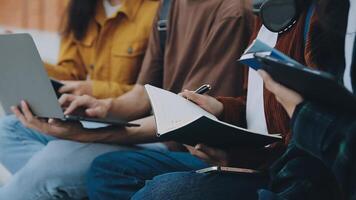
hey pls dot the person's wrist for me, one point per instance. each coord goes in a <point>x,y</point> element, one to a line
<point>109,106</point>
<point>90,87</point>
<point>88,135</point>
<point>296,112</point>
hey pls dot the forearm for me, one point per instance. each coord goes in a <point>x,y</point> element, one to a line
<point>132,105</point>
<point>146,133</point>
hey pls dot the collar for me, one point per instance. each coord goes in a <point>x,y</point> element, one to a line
<point>110,9</point>
<point>129,8</point>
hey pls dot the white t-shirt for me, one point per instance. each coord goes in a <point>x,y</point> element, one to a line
<point>349,44</point>
<point>110,10</point>
<point>255,111</point>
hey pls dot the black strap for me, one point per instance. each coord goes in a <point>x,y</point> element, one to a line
<point>162,23</point>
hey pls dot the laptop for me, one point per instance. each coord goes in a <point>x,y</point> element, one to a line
<point>23,77</point>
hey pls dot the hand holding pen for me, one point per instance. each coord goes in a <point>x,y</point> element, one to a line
<point>203,89</point>
<point>206,102</point>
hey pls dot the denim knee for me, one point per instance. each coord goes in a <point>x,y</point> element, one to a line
<point>168,186</point>
<point>209,186</point>
<point>12,129</point>
<point>104,167</point>
<point>18,144</point>
<point>114,162</point>
<point>8,125</point>
<point>114,176</point>
<point>95,174</point>
<point>49,175</point>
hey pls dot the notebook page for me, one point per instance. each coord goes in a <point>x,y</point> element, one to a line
<point>173,111</point>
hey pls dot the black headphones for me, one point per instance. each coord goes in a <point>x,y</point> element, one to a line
<point>277,15</point>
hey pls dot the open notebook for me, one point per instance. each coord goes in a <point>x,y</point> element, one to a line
<point>180,120</point>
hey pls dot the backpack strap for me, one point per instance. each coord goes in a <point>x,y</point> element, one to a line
<point>162,23</point>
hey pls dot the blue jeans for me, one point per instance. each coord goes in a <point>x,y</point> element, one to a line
<point>209,186</point>
<point>45,168</point>
<point>148,175</point>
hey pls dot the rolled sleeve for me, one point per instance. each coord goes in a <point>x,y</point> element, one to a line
<point>234,110</point>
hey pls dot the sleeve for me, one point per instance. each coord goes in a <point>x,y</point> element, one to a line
<point>218,56</point>
<point>70,65</point>
<point>234,110</point>
<point>320,131</point>
<point>330,137</point>
<point>235,107</point>
<point>107,89</point>
<point>152,66</point>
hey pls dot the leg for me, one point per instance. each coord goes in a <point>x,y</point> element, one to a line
<point>120,175</point>
<point>18,144</point>
<point>56,172</point>
<point>191,185</point>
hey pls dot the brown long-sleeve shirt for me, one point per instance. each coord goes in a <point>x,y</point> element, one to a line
<point>204,40</point>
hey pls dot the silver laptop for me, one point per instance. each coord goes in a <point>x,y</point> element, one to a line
<point>23,77</point>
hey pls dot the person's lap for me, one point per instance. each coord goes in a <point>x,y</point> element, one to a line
<point>127,174</point>
<point>18,144</point>
<point>55,172</point>
<point>45,167</point>
<point>119,175</point>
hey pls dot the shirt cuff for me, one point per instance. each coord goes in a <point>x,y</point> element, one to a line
<point>297,110</point>
<point>234,111</point>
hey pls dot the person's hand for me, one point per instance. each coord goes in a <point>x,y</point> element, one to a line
<point>287,97</point>
<point>93,107</point>
<point>208,103</point>
<point>210,155</point>
<point>77,87</point>
<point>56,128</point>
